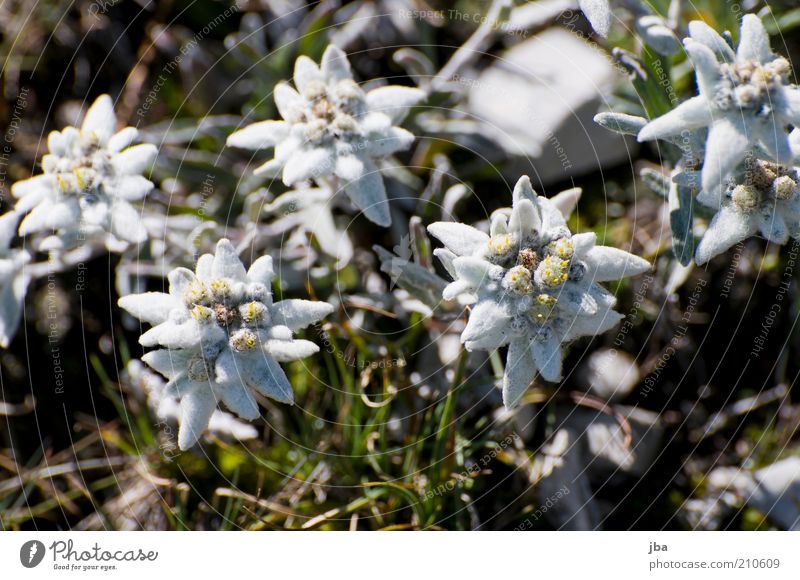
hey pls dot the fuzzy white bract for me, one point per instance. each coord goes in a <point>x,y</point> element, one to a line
<point>222,336</point>
<point>745,101</point>
<point>331,127</point>
<point>533,284</point>
<point>90,177</point>
<point>13,279</point>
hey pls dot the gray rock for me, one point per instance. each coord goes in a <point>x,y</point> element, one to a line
<point>538,102</point>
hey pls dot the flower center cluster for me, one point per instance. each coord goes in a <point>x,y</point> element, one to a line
<point>82,169</point>
<point>764,181</point>
<point>236,307</point>
<point>749,84</point>
<point>535,271</point>
<point>331,110</point>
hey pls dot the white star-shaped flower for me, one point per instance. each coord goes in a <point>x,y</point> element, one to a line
<point>331,127</point>
<point>90,177</point>
<point>744,100</point>
<point>534,284</point>
<point>222,336</point>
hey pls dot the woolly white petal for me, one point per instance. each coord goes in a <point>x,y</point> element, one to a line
<point>287,100</point>
<point>51,216</point>
<point>729,226</point>
<point>552,218</point>
<point>31,200</point>
<point>266,376</point>
<point>773,227</point>
<point>126,223</point>
<point>298,314</point>
<point>604,320</point>
<point>180,386</point>
<point>392,140</point>
<point>100,119</point>
<point>582,243</point>
<point>196,409</point>
<point>461,239</point>
<point>259,135</point>
<point>457,288</point>
<point>239,400</point>
<point>446,257</point>
<point>231,389</point>
<point>135,160</point>
<point>366,191</point>
<point>289,350</point>
<point>488,327</point>
<point>753,41</point>
<point>227,263</point>
<point>261,271</point>
<point>150,307</point>
<point>56,143</point>
<point>474,271</point>
<point>523,190</point>
<point>132,187</point>
<point>170,363</point>
<point>706,68</point>
<point>546,350</point>
<point>334,65</point>
<point>307,163</point>
<point>38,185</point>
<point>525,219</point>
<point>204,265</point>
<point>519,373</point>
<point>606,263</point>
<point>703,33</point>
<point>179,280</point>
<point>394,101</point>
<point>567,201</point>
<point>122,139</point>
<point>305,71</point>
<point>691,114</point>
<point>184,335</point>
<point>271,168</point>
<point>773,137</point>
<point>727,144</point>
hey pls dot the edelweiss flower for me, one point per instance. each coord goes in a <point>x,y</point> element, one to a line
<point>762,196</point>
<point>744,100</point>
<point>223,336</point>
<point>332,128</point>
<point>13,280</point>
<point>90,177</point>
<point>533,282</point>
